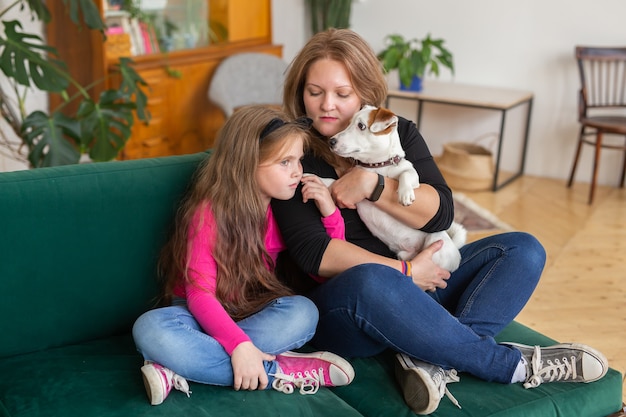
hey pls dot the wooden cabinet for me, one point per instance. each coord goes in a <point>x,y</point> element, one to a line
<point>183,118</point>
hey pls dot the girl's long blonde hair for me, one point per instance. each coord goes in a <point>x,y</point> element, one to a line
<point>227,179</point>
<point>364,68</point>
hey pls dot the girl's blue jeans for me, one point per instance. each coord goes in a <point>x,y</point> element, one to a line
<point>172,337</point>
<point>370,308</point>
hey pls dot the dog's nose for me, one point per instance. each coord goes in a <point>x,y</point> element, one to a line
<point>332,142</point>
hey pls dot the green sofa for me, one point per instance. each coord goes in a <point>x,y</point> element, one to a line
<point>78,248</point>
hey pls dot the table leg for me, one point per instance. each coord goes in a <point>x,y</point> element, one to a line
<point>499,151</point>
<point>418,122</point>
<point>520,172</point>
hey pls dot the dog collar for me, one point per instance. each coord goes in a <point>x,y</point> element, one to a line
<point>395,160</point>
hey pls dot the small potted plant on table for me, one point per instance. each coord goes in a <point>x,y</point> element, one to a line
<point>413,57</point>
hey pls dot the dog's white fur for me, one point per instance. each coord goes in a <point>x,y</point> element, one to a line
<point>372,138</point>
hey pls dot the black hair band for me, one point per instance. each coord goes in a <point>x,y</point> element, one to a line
<point>303,122</point>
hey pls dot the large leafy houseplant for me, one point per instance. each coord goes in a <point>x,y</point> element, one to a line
<point>413,57</point>
<point>327,14</point>
<point>99,127</point>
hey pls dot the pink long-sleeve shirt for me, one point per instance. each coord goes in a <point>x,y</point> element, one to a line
<point>200,295</point>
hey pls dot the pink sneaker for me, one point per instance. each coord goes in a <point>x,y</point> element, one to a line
<point>309,371</point>
<point>159,381</point>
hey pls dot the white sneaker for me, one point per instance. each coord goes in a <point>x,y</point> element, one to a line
<point>566,362</point>
<point>159,381</point>
<point>423,384</point>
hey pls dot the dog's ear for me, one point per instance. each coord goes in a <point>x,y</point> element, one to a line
<point>382,121</point>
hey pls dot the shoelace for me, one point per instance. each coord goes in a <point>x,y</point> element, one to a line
<point>450,376</point>
<point>555,371</point>
<point>309,382</point>
<point>181,384</point>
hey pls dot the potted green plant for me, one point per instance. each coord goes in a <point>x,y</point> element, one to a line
<point>329,14</point>
<point>413,57</point>
<point>100,127</point>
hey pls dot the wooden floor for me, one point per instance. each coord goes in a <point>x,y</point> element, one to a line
<point>582,294</point>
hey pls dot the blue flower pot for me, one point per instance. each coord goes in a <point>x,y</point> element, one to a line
<point>416,84</point>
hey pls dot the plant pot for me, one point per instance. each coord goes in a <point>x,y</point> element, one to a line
<point>416,84</point>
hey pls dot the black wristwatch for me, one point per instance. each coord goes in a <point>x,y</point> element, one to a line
<point>379,189</point>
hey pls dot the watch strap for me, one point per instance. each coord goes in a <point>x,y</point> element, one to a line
<point>379,189</point>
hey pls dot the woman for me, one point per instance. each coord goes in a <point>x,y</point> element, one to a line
<point>229,320</point>
<point>436,321</point>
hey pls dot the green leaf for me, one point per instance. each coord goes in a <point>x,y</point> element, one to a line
<point>46,139</point>
<point>26,62</point>
<point>396,40</point>
<point>390,59</point>
<point>39,9</point>
<point>445,58</point>
<point>406,72</point>
<point>338,14</point>
<point>418,63</point>
<point>131,87</point>
<point>106,125</point>
<point>89,11</point>
<point>434,67</point>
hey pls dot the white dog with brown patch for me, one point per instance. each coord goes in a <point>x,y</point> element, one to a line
<point>372,140</point>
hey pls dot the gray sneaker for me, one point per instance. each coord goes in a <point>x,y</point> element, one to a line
<point>566,362</point>
<point>423,385</point>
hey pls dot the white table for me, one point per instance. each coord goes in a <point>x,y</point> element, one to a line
<point>490,98</point>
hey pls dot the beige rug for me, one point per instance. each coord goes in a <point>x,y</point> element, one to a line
<point>476,218</point>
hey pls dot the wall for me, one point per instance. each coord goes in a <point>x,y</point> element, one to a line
<point>524,45</point>
<point>528,45</point>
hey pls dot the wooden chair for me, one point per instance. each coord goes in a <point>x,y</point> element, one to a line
<point>602,104</point>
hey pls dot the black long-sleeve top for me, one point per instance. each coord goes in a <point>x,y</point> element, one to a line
<point>301,226</point>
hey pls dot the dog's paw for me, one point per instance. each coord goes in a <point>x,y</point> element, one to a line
<point>406,193</point>
<point>406,198</point>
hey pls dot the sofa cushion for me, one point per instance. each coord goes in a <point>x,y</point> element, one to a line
<point>80,244</point>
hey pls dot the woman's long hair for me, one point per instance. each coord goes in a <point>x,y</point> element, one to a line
<point>227,181</point>
<point>364,68</point>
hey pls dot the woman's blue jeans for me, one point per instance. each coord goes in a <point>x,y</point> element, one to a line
<point>173,338</point>
<point>370,308</point>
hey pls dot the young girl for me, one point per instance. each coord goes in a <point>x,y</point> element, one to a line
<point>229,320</point>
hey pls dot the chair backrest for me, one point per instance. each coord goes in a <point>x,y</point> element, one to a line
<point>602,73</point>
<point>247,78</point>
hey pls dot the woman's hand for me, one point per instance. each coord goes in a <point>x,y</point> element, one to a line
<point>314,189</point>
<point>425,273</point>
<point>248,370</point>
<point>353,187</point>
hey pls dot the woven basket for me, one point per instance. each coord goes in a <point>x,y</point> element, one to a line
<point>466,166</point>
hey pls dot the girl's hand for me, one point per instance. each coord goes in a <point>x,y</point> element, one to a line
<point>425,273</point>
<point>248,370</point>
<point>314,189</point>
